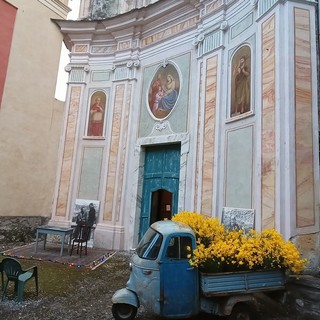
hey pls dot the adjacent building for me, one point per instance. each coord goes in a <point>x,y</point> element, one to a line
<point>30,116</point>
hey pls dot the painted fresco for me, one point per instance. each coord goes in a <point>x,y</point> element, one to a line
<point>241,82</point>
<point>164,91</point>
<point>96,114</point>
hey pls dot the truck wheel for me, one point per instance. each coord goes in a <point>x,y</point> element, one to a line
<point>242,311</point>
<point>123,311</point>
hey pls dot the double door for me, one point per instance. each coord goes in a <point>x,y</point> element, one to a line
<point>160,185</point>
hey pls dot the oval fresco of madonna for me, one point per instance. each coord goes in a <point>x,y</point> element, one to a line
<point>164,91</point>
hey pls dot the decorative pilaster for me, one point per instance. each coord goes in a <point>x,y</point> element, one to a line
<point>125,70</point>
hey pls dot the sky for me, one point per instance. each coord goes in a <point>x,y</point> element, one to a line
<point>61,88</point>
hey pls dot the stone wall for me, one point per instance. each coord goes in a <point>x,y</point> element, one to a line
<point>309,245</point>
<point>19,229</point>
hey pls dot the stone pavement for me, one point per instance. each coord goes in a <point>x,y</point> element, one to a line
<point>303,296</point>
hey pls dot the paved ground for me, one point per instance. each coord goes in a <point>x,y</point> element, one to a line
<point>78,293</point>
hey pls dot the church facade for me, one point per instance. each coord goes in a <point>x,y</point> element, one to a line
<point>207,106</point>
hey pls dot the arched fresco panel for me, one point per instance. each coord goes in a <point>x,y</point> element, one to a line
<point>96,114</point>
<point>241,82</point>
<point>164,91</point>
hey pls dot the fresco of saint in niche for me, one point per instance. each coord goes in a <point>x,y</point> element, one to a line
<point>241,82</point>
<point>96,114</point>
<point>164,91</point>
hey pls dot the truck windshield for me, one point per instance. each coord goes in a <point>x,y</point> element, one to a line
<point>149,245</point>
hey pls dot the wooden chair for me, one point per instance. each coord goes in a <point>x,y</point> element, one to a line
<point>82,236</point>
<point>1,271</point>
<point>13,272</point>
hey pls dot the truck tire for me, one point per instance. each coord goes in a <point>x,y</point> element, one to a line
<point>123,311</point>
<point>242,311</point>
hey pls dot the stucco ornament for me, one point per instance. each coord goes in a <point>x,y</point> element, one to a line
<point>254,2</point>
<point>67,68</point>
<point>224,25</point>
<point>136,63</point>
<point>195,42</point>
<point>200,37</point>
<point>133,63</point>
<point>160,126</point>
<point>164,62</point>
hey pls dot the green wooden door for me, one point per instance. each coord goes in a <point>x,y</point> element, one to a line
<point>161,172</point>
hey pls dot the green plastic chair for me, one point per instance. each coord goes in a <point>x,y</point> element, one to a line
<point>13,271</point>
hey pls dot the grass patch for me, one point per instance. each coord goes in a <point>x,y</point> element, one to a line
<point>56,279</point>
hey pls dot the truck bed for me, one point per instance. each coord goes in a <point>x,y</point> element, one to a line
<point>219,284</point>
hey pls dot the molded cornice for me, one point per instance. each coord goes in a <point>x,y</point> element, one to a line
<point>57,7</point>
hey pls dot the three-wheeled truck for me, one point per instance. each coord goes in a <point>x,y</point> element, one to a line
<point>164,282</point>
